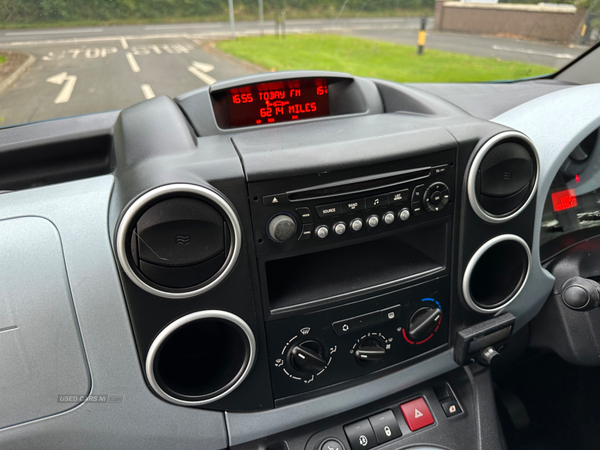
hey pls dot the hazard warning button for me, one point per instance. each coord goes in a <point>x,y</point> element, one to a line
<point>417,414</point>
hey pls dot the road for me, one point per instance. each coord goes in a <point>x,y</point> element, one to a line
<point>83,70</point>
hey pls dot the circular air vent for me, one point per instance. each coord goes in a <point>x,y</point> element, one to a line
<point>200,358</point>
<point>503,177</point>
<point>496,273</point>
<point>178,240</point>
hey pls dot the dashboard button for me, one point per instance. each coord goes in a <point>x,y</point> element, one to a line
<point>385,426</point>
<point>356,224</point>
<point>353,206</point>
<point>451,408</point>
<point>398,196</point>
<point>332,444</point>
<point>417,209</point>
<point>418,192</point>
<point>391,313</point>
<point>339,228</point>
<point>376,201</point>
<point>307,231</point>
<point>360,435</point>
<point>276,199</point>
<point>417,414</point>
<point>330,210</point>
<point>404,215</point>
<point>342,327</point>
<point>305,215</point>
<point>389,217</point>
<point>322,231</point>
<point>439,170</point>
<point>373,221</point>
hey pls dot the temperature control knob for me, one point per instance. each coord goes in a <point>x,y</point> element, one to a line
<point>423,323</point>
<point>282,228</point>
<point>308,356</point>
<point>369,350</point>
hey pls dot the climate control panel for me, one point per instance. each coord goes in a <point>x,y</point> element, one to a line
<point>340,343</point>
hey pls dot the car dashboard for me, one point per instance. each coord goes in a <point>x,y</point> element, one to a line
<point>293,260</point>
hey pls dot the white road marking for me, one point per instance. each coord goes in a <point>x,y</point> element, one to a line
<point>124,43</point>
<point>148,92</point>
<point>31,33</point>
<point>203,66</point>
<point>67,90</point>
<point>185,25</point>
<point>533,52</point>
<point>132,62</point>
<point>206,78</point>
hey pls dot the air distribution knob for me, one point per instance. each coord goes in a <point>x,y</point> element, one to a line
<point>308,356</point>
<point>282,228</point>
<point>423,323</point>
<point>369,350</point>
<point>581,294</point>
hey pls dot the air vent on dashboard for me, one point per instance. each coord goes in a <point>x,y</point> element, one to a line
<point>178,240</point>
<point>496,273</point>
<point>200,357</point>
<point>503,177</point>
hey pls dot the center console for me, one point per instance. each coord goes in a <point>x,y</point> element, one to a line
<point>271,267</point>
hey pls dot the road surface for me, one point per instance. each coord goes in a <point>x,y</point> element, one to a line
<point>84,70</point>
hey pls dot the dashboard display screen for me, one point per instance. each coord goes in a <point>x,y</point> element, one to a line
<point>565,199</point>
<point>278,101</point>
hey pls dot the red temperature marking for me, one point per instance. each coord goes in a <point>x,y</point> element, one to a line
<point>562,200</point>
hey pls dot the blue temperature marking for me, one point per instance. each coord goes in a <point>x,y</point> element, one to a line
<point>432,300</point>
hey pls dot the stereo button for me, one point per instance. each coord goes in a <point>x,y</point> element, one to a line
<point>330,210</point>
<point>417,208</point>
<point>399,196</point>
<point>353,206</point>
<point>305,215</point>
<point>339,228</point>
<point>376,201</point>
<point>373,221</point>
<point>307,231</point>
<point>356,224</point>
<point>389,217</point>
<point>418,192</point>
<point>276,199</point>
<point>404,214</point>
<point>322,231</point>
<point>440,170</point>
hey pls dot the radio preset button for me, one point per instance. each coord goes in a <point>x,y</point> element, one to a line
<point>322,231</point>
<point>404,215</point>
<point>307,231</point>
<point>398,196</point>
<point>330,210</point>
<point>305,215</point>
<point>418,192</point>
<point>353,205</point>
<point>339,228</point>
<point>373,221</point>
<point>356,224</point>
<point>376,201</point>
<point>389,217</point>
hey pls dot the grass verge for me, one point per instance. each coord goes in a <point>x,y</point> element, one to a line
<point>377,59</point>
<point>2,59</point>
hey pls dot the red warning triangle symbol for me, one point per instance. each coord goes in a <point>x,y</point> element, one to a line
<point>418,413</point>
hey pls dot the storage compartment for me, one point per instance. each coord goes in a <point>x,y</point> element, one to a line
<point>321,275</point>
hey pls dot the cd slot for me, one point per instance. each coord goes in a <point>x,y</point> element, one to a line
<point>358,185</point>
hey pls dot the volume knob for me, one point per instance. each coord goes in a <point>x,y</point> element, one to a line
<point>282,228</point>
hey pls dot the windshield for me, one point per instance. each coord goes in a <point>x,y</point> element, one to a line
<point>67,57</point>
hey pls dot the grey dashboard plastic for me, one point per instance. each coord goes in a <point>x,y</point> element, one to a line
<point>78,210</point>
